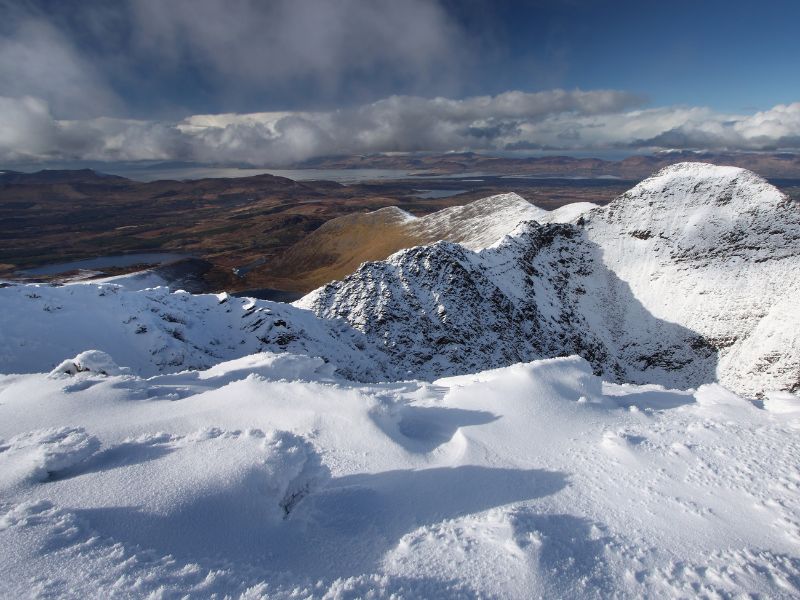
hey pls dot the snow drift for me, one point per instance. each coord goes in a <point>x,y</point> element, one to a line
<point>532,480</point>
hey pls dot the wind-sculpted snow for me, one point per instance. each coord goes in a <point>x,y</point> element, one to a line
<point>688,278</point>
<point>38,454</point>
<point>269,477</point>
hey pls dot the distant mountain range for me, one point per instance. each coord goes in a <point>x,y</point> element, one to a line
<point>634,167</point>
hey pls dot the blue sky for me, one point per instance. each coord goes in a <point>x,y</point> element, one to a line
<point>733,56</point>
<point>154,80</point>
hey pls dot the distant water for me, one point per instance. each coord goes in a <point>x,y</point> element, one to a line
<point>105,262</point>
<point>565,177</point>
<point>431,194</point>
<point>180,173</point>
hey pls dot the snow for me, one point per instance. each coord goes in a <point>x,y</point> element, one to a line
<point>170,445</point>
<point>530,480</point>
<point>95,361</point>
<point>730,243</point>
<point>568,213</point>
<point>153,331</point>
<point>41,453</point>
<point>139,280</point>
<point>685,279</point>
<point>480,223</point>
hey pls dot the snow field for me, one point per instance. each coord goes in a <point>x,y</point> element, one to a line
<point>531,480</point>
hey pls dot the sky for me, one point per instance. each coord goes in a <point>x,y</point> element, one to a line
<point>274,83</point>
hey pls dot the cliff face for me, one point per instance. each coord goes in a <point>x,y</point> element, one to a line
<point>686,278</point>
<point>716,250</point>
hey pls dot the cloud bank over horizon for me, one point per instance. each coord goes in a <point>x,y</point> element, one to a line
<point>555,120</point>
<point>280,82</point>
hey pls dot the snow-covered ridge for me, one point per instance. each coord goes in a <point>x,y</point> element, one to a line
<point>687,278</point>
<point>154,331</point>
<point>338,247</point>
<point>484,222</point>
<point>476,225</point>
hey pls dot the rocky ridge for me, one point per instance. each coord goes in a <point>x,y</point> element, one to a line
<point>687,278</point>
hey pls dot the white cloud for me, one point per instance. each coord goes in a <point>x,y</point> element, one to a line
<point>554,120</point>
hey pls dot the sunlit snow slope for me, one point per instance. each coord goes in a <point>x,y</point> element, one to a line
<point>266,477</point>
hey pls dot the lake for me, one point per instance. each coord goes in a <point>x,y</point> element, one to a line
<point>181,173</point>
<point>431,194</point>
<point>105,262</point>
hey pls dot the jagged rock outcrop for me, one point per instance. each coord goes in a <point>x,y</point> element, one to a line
<point>689,277</point>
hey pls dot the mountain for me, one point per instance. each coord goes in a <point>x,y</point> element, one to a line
<point>60,176</point>
<point>339,246</point>
<point>154,331</point>
<point>716,250</point>
<point>687,278</point>
<point>775,164</point>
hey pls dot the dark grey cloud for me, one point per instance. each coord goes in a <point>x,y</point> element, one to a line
<point>38,60</point>
<point>289,42</point>
<point>150,57</point>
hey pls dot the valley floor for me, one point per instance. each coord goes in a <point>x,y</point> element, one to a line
<point>268,476</point>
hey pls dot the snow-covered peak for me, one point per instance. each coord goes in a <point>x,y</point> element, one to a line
<point>716,249</point>
<point>699,209</point>
<point>686,278</point>
<point>685,175</point>
<point>480,223</point>
<point>486,221</point>
<point>678,189</point>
